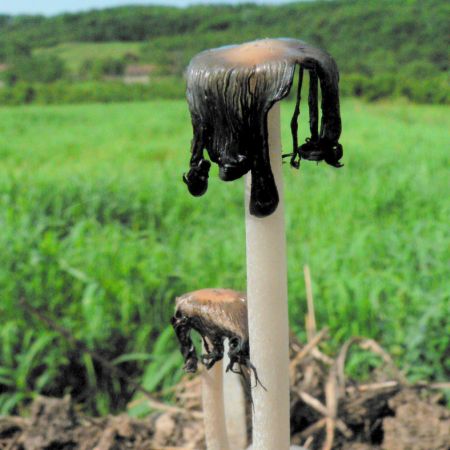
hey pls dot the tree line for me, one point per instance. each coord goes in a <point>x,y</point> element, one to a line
<point>370,39</point>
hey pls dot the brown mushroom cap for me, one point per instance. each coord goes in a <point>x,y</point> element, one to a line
<point>218,73</point>
<point>255,53</point>
<point>225,309</point>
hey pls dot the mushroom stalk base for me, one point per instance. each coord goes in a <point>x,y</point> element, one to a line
<point>235,414</point>
<point>213,408</point>
<point>268,309</point>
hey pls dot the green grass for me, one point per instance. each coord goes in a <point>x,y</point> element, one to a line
<point>75,53</point>
<point>98,230</point>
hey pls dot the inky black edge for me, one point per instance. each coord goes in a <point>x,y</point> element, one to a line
<point>229,120</point>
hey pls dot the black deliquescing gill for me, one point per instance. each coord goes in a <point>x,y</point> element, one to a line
<point>230,91</point>
<point>216,315</point>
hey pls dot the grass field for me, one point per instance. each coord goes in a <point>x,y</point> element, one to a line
<point>98,231</point>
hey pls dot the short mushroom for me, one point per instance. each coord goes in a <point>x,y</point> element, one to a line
<point>217,315</point>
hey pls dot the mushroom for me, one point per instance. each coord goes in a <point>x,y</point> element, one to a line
<point>217,315</point>
<point>232,93</point>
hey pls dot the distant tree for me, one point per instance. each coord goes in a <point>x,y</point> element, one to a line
<point>41,69</point>
<point>130,57</point>
<point>4,20</point>
<point>95,69</point>
<point>16,49</point>
<point>86,69</point>
<point>113,66</point>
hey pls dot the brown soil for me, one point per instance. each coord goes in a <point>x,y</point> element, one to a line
<point>327,412</point>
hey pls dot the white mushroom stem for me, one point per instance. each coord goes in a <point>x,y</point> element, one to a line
<point>213,408</point>
<point>235,415</point>
<point>268,309</point>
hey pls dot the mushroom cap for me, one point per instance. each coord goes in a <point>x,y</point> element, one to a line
<point>233,80</point>
<point>255,53</point>
<point>230,91</point>
<point>212,295</point>
<point>224,309</point>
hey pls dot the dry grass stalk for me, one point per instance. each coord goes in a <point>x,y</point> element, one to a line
<point>313,403</point>
<point>368,345</point>
<point>313,429</point>
<point>318,406</point>
<point>159,406</point>
<point>331,397</point>
<point>372,387</point>
<point>307,349</point>
<point>375,347</point>
<point>320,356</point>
<point>307,444</point>
<point>435,385</point>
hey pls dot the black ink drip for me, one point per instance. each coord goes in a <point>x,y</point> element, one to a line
<point>229,105</point>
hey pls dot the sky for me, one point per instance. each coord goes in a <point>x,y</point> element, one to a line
<point>50,7</point>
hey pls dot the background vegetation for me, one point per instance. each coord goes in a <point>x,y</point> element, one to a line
<point>383,48</point>
<point>99,232</point>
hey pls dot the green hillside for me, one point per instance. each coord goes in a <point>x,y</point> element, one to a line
<point>364,35</point>
<point>383,48</point>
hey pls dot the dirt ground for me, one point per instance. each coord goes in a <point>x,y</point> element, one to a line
<point>328,412</point>
<point>409,422</point>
